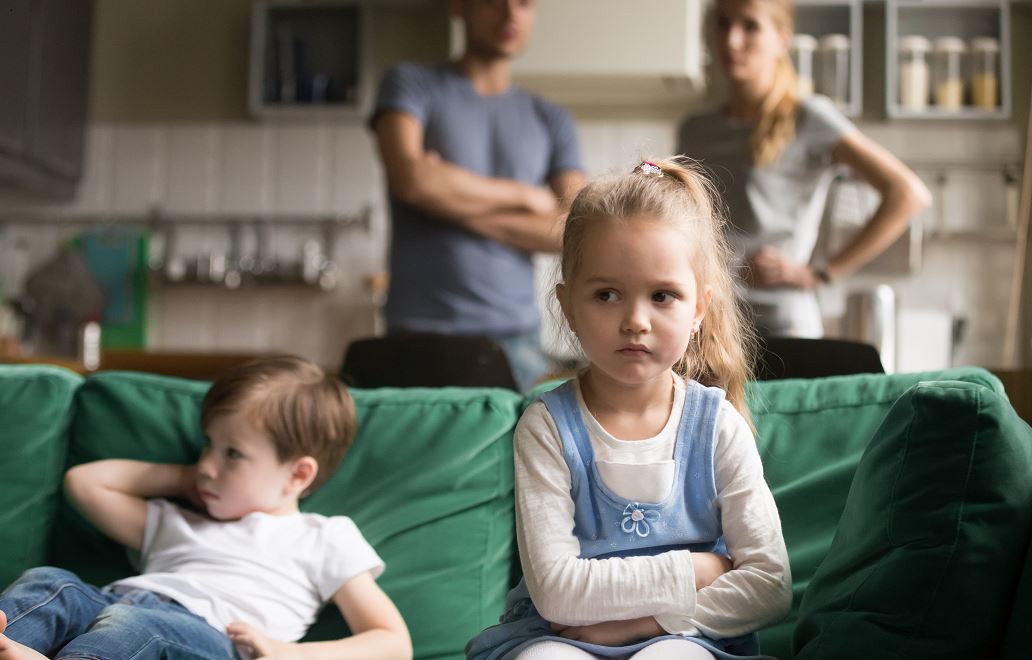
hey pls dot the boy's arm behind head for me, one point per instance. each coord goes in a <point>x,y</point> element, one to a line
<point>113,494</point>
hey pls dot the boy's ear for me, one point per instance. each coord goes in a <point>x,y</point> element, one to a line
<point>303,473</point>
<point>561,295</point>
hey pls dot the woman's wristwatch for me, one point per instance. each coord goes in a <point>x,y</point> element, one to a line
<point>822,274</point>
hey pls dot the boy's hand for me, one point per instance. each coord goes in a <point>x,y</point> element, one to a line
<point>708,567</point>
<point>260,645</point>
<point>612,633</point>
<point>188,487</point>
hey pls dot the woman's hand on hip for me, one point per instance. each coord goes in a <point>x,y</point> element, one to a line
<point>768,268</point>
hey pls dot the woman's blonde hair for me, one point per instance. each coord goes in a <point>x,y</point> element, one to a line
<point>721,353</point>
<point>776,124</point>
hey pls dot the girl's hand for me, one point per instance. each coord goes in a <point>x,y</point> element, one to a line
<point>768,267</point>
<point>612,633</point>
<point>260,645</point>
<point>708,567</point>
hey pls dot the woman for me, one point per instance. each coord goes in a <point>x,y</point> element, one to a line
<point>775,156</point>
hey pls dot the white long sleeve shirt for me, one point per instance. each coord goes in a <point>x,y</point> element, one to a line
<point>573,591</point>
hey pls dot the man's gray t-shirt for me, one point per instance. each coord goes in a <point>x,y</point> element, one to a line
<point>780,204</point>
<point>443,278</point>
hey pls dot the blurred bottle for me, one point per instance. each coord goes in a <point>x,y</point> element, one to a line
<point>834,68</point>
<point>913,72</point>
<point>985,77</point>
<point>948,72</point>
<point>802,50</point>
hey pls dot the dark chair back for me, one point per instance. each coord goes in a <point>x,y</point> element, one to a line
<point>793,357</point>
<point>426,360</point>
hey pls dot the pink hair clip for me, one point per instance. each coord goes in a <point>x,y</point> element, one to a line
<point>649,168</point>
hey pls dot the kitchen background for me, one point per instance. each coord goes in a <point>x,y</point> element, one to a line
<point>170,141</point>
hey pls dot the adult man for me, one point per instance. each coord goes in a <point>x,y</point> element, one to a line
<point>467,156</point>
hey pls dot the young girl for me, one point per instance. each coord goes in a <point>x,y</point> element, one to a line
<point>645,527</point>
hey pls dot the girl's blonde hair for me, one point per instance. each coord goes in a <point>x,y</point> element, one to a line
<point>721,353</point>
<point>775,127</point>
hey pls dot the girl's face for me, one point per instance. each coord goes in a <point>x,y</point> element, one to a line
<point>747,41</point>
<point>239,472</point>
<point>634,300</point>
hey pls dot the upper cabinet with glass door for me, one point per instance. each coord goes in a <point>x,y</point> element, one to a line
<point>948,59</point>
<point>827,51</point>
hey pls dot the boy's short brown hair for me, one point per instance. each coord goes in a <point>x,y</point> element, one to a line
<point>303,410</point>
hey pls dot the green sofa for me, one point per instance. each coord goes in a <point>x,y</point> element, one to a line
<point>925,554</point>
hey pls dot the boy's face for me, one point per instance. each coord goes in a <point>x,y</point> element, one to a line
<point>239,472</point>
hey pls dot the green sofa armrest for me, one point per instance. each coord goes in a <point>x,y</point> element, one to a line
<point>35,412</point>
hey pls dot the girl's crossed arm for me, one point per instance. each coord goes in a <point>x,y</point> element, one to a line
<point>113,494</point>
<point>378,630</point>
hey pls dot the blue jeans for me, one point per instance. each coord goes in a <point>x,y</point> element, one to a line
<point>526,358</point>
<point>54,612</point>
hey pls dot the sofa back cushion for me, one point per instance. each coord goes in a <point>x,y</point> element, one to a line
<point>933,537</point>
<point>811,435</point>
<point>35,412</point>
<point>428,481</point>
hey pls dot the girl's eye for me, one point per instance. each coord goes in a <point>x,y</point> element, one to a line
<point>751,26</point>
<point>605,295</point>
<point>663,297</point>
<point>233,454</point>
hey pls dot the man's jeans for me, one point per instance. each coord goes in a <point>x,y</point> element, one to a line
<point>526,358</point>
<point>54,612</point>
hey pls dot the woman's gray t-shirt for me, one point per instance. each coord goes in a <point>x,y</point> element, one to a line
<point>780,204</point>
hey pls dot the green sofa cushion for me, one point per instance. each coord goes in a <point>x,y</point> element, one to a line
<point>428,481</point>
<point>811,434</point>
<point>35,411</point>
<point>932,540</point>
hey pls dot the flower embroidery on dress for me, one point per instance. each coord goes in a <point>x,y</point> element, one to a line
<point>638,520</point>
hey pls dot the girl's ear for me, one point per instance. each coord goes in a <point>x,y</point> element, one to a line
<point>561,294</point>
<point>702,303</point>
<point>303,473</point>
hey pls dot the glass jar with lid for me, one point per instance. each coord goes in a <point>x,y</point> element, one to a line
<point>801,50</point>
<point>833,68</point>
<point>913,72</point>
<point>948,72</point>
<point>985,73</point>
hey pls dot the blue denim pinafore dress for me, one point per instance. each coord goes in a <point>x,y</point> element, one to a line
<point>610,526</point>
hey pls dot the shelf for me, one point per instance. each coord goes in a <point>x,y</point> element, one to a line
<point>964,19</point>
<point>309,59</point>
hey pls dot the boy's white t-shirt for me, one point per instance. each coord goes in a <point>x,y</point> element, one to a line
<point>273,572</point>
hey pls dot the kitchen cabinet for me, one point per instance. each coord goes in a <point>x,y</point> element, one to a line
<point>310,59</point>
<point>934,49</point>
<point>611,52</point>
<point>837,49</point>
<point>44,62</point>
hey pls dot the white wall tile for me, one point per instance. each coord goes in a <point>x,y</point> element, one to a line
<point>138,168</point>
<point>303,156</point>
<point>193,173</point>
<point>248,168</point>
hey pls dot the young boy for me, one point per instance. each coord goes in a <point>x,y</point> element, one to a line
<point>245,575</point>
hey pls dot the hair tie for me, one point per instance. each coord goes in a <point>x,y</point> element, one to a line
<point>649,168</point>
